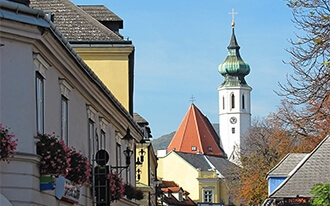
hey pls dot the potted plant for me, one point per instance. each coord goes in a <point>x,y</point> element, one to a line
<point>80,168</point>
<point>132,192</point>
<point>55,159</point>
<point>7,144</point>
<point>116,186</point>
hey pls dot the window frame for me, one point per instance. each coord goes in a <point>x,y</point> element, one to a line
<point>223,102</point>
<point>91,138</point>
<point>40,102</point>
<point>243,101</point>
<point>232,96</point>
<point>208,195</point>
<point>102,140</point>
<point>65,119</point>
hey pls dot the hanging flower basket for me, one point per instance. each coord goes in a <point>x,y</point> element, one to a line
<point>132,192</point>
<point>55,155</point>
<point>116,186</point>
<point>7,144</point>
<point>80,168</point>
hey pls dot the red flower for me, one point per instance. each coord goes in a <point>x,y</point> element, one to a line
<point>7,144</point>
<point>116,186</point>
<point>80,170</point>
<point>55,155</point>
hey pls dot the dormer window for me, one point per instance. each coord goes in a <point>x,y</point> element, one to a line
<point>180,196</point>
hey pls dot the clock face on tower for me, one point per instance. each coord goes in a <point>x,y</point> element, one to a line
<point>233,120</point>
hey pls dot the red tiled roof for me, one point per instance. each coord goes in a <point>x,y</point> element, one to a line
<point>166,183</point>
<point>171,189</point>
<point>195,135</point>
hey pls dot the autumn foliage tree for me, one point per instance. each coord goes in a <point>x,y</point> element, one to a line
<point>303,118</point>
<point>265,144</point>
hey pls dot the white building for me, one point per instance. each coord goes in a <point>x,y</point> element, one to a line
<point>45,86</point>
<point>234,101</point>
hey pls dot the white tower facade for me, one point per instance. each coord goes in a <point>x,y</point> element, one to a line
<point>234,101</point>
<point>234,118</point>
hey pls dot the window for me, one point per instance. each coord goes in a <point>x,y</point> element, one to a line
<point>210,148</point>
<point>65,88</point>
<point>208,196</point>
<point>243,101</point>
<point>118,155</point>
<point>193,148</point>
<point>223,102</point>
<point>39,102</point>
<point>103,127</point>
<point>233,130</point>
<point>91,114</point>
<point>180,196</point>
<point>64,120</point>
<point>102,140</point>
<point>91,136</point>
<point>232,101</point>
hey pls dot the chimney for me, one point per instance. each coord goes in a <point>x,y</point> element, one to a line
<point>25,2</point>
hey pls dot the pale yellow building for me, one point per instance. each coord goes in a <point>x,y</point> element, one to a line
<point>146,165</point>
<point>204,177</point>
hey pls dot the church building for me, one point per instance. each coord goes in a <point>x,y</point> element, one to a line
<point>234,101</point>
<point>197,163</point>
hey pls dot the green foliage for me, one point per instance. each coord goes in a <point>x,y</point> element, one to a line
<point>321,194</point>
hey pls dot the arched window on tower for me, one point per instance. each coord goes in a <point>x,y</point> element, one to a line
<point>243,101</point>
<point>223,102</point>
<point>232,101</point>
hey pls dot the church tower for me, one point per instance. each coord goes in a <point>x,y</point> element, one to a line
<point>234,100</point>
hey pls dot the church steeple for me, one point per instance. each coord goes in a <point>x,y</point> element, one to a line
<point>234,69</point>
<point>234,100</point>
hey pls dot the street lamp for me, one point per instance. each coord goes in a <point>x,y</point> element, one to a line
<point>128,152</point>
<point>141,153</point>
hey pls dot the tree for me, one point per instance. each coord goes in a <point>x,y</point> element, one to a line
<point>321,194</point>
<point>309,86</point>
<point>265,144</point>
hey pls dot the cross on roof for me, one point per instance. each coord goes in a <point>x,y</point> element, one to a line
<point>233,17</point>
<point>192,99</point>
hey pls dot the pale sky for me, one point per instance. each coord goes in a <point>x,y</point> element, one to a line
<point>180,43</point>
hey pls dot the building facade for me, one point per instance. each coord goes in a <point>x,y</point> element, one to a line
<point>93,32</point>
<point>47,88</point>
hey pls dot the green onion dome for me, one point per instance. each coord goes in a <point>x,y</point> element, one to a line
<point>234,64</point>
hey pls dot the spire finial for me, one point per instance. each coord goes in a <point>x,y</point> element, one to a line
<point>192,99</point>
<point>233,17</point>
